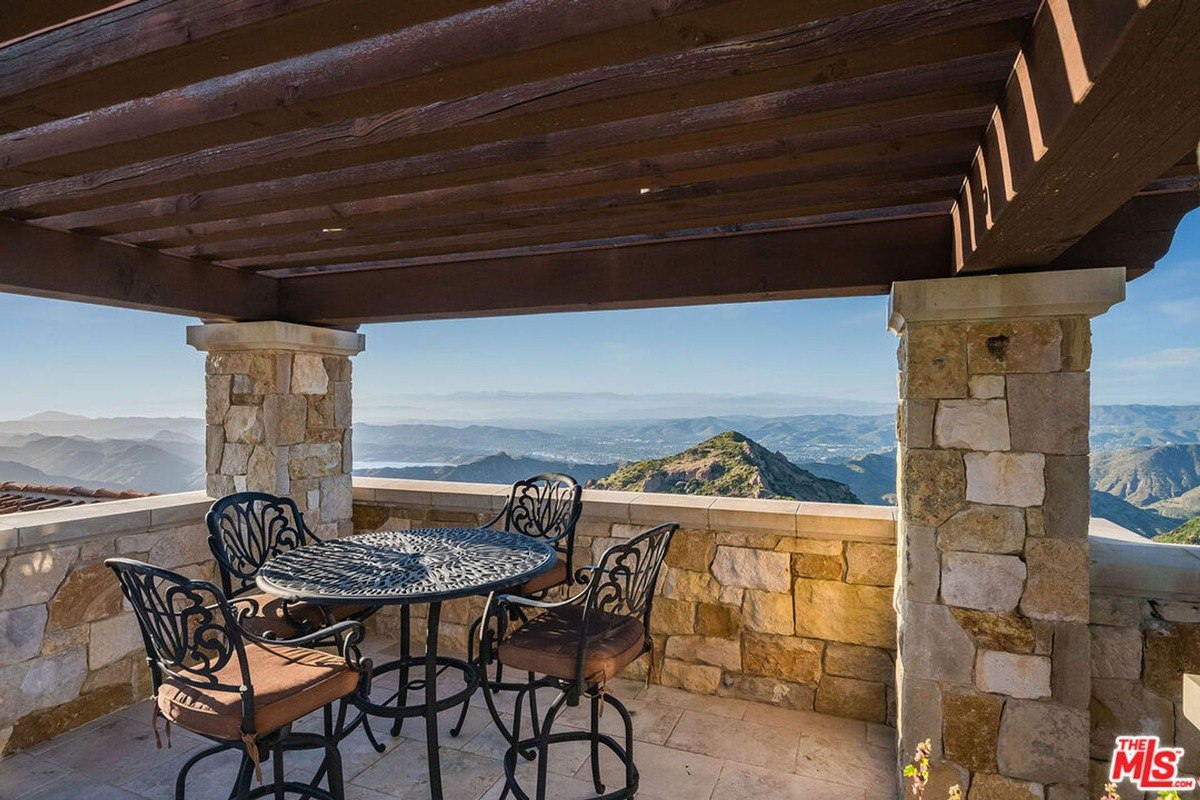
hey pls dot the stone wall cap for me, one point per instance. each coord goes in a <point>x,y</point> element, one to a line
<point>57,526</point>
<point>274,335</point>
<point>1062,293</point>
<point>848,521</point>
<point>1148,569</point>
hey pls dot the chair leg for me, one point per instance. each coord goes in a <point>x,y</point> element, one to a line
<point>402,673</point>
<point>471,634</point>
<point>631,776</point>
<point>595,744</point>
<point>543,744</point>
<point>533,712</point>
<point>277,758</point>
<point>333,761</point>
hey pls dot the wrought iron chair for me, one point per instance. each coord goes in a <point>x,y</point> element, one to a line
<point>545,506</point>
<point>244,531</point>
<point>579,644</point>
<point>214,678</point>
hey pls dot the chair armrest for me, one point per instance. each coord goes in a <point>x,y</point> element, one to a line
<point>348,633</point>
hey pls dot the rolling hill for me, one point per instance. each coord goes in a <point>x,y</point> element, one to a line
<point>1145,476</point>
<point>729,465</point>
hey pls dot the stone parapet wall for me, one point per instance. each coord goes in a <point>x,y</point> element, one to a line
<point>70,648</point>
<point>777,601</point>
<point>1144,635</point>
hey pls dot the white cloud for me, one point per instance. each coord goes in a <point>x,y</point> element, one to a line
<point>1171,358</point>
<point>1187,311</point>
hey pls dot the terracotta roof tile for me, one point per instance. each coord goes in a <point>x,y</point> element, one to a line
<point>15,496</point>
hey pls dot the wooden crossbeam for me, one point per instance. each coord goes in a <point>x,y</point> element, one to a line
<point>852,259</point>
<point>1102,100</point>
<point>68,266</point>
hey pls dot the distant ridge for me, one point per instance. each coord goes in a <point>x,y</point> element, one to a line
<point>496,468</point>
<point>730,465</point>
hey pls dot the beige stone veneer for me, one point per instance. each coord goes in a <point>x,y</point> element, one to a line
<point>772,600</point>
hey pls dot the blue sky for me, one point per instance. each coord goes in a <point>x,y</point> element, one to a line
<point>102,361</point>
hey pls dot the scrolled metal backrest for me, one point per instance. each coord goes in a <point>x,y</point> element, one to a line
<point>247,529</point>
<point>546,506</point>
<point>622,584</point>
<point>189,630</point>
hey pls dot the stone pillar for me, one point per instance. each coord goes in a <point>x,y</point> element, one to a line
<point>278,411</point>
<point>992,585</point>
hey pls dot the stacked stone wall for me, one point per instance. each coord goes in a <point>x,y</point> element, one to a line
<point>70,647</point>
<point>747,607</point>
<point>280,422</point>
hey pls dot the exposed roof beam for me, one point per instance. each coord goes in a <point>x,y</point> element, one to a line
<point>68,266</point>
<point>1103,100</point>
<point>853,259</point>
<point>23,17</point>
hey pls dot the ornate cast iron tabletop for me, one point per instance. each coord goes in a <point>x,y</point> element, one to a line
<point>423,565</point>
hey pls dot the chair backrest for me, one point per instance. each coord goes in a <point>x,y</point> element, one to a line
<point>189,629</point>
<point>247,529</point>
<point>622,584</point>
<point>546,506</point>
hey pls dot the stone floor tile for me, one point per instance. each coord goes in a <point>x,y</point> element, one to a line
<point>866,766</point>
<point>21,773</point>
<point>746,782</point>
<point>746,742</point>
<point>356,751</point>
<point>565,757</point>
<point>652,722</point>
<point>404,773</point>
<point>115,747</point>
<point>663,772</point>
<point>77,786</point>
<point>211,779</point>
<point>881,735</point>
<point>359,793</point>
<point>807,723</point>
<point>717,706</point>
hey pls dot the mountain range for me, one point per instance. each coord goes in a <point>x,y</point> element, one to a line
<point>1145,462</point>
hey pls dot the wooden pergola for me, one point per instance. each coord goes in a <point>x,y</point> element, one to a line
<point>345,161</point>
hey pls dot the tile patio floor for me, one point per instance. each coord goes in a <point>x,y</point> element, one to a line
<point>689,747</point>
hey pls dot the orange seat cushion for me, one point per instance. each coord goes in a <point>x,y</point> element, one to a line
<point>549,644</point>
<point>552,577</point>
<point>271,619</point>
<point>288,683</point>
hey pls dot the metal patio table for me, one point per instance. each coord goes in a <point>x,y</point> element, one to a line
<point>404,568</point>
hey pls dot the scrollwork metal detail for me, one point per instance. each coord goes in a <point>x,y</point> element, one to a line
<point>622,584</point>
<point>248,529</point>
<point>545,506</point>
<point>188,628</point>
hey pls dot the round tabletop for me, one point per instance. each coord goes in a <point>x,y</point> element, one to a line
<point>422,565</point>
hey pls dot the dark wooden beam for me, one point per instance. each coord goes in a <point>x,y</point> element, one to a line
<point>1140,232</point>
<point>20,18</point>
<point>720,122</point>
<point>318,87</point>
<point>150,46</point>
<point>827,261</point>
<point>882,136</point>
<point>1101,102</point>
<point>714,212</point>
<point>67,266</point>
<point>822,51</point>
<point>935,156</point>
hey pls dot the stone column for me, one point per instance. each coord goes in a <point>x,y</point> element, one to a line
<point>992,585</point>
<point>278,412</point>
